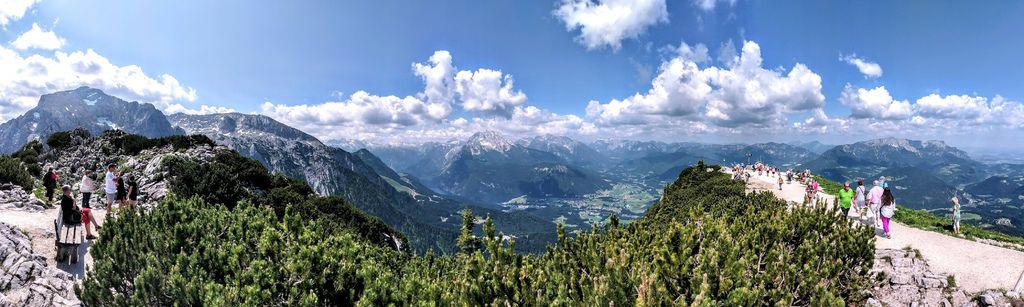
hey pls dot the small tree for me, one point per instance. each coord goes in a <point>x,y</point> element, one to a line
<point>59,140</point>
<point>468,242</point>
<point>12,170</point>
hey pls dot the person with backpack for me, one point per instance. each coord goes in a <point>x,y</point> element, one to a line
<point>887,210</point>
<point>875,202</point>
<point>72,214</point>
<point>50,183</point>
<point>860,199</point>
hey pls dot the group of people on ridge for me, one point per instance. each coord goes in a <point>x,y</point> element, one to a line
<point>878,202</point>
<point>118,187</point>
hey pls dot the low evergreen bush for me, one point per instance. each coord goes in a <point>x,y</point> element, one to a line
<point>13,171</point>
<point>705,243</point>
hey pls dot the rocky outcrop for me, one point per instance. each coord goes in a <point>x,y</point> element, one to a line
<point>95,153</point>
<point>903,278</point>
<point>13,197</point>
<point>25,279</point>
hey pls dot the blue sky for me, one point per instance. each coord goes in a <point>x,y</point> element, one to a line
<point>302,61</point>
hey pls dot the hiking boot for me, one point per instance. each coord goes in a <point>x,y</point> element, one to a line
<point>90,237</point>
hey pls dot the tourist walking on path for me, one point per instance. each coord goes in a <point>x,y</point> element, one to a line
<point>956,214</point>
<point>110,187</point>
<point>875,202</point>
<point>50,183</point>
<point>780,183</point>
<point>846,197</point>
<point>860,199</point>
<point>87,186</point>
<point>887,210</point>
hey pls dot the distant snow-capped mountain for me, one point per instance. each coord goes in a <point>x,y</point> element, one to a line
<point>492,169</point>
<point>489,168</point>
<point>87,108</point>
<point>571,150</point>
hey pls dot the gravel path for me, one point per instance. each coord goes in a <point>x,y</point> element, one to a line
<point>39,227</point>
<point>976,266</point>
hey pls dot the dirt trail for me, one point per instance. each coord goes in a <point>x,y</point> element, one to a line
<point>976,266</point>
<point>39,227</point>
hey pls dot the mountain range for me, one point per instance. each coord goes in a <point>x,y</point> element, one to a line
<point>418,189</point>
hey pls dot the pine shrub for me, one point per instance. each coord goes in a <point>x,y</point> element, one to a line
<point>13,171</point>
<point>705,243</point>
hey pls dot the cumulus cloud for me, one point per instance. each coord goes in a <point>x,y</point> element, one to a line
<point>24,79</point>
<point>488,91</point>
<point>740,94</point>
<point>875,111</point>
<point>952,106</point>
<point>608,22</point>
<point>38,38</point>
<point>484,91</point>
<point>361,108</point>
<point>874,103</point>
<point>12,10</point>
<point>868,68</point>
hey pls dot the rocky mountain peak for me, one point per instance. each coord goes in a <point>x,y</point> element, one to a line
<point>87,108</point>
<point>489,141</point>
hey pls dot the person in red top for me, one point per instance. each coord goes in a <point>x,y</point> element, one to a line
<point>50,183</point>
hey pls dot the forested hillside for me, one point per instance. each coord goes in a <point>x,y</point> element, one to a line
<point>706,242</point>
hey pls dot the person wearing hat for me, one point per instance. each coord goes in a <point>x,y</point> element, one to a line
<point>72,214</point>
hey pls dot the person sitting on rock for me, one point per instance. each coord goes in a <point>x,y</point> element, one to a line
<point>50,183</point>
<point>74,215</point>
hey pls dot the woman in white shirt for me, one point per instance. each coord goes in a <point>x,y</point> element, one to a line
<point>86,187</point>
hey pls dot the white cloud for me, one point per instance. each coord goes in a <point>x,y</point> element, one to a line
<point>741,94</point>
<point>709,5</point>
<point>485,91</point>
<point>608,22</point>
<point>24,79</point>
<point>875,103</point>
<point>38,38</point>
<point>437,77</point>
<point>488,91</point>
<point>12,10</point>
<point>869,69</point>
<point>361,108</point>
<point>952,106</point>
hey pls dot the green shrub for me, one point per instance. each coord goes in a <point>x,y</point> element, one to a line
<point>705,243</point>
<point>29,156</point>
<point>133,144</point>
<point>60,140</point>
<point>13,171</point>
<point>189,253</point>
